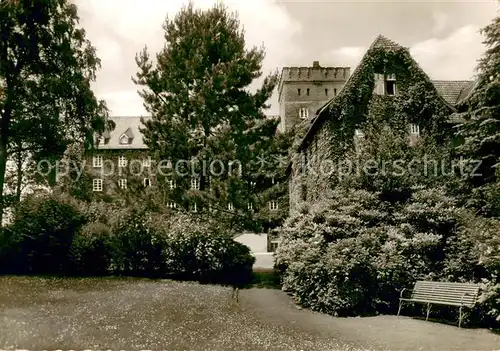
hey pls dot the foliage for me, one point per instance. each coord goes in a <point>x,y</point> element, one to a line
<point>202,109</point>
<point>353,253</point>
<point>136,247</point>
<point>90,251</point>
<point>41,234</point>
<point>480,131</point>
<point>47,65</point>
<point>195,253</point>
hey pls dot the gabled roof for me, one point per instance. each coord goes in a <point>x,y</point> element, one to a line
<point>453,91</point>
<point>380,42</point>
<point>124,125</point>
<point>384,43</point>
<point>129,133</point>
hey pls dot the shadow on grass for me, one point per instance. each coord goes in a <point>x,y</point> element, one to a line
<point>265,278</point>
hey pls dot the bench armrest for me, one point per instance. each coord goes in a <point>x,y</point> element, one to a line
<point>402,291</point>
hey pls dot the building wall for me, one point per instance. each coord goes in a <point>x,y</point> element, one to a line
<point>326,149</point>
<point>316,79</point>
<point>256,242</point>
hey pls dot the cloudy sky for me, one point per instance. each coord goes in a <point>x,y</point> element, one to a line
<point>443,36</point>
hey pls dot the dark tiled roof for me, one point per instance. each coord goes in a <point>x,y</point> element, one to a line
<point>129,133</point>
<point>383,42</point>
<point>129,126</point>
<point>453,91</point>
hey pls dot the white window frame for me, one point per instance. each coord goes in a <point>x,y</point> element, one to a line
<point>97,184</point>
<point>390,78</point>
<point>358,133</point>
<point>146,180</point>
<point>273,205</point>
<point>97,161</point>
<point>122,161</point>
<point>303,113</point>
<point>230,206</point>
<point>171,184</point>
<point>171,204</point>
<point>194,207</point>
<point>250,206</point>
<point>122,138</point>
<point>146,163</point>
<point>414,129</point>
<point>195,184</point>
<point>122,183</point>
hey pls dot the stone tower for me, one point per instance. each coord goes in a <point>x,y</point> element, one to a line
<point>302,90</point>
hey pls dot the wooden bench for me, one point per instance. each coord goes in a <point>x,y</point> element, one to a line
<point>442,293</point>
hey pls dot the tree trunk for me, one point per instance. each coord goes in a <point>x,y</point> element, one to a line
<point>19,176</point>
<point>3,167</point>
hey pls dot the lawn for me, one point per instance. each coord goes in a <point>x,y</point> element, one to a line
<point>133,314</point>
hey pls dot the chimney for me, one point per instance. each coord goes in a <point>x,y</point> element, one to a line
<point>315,64</point>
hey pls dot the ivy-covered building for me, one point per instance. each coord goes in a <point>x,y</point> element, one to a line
<point>121,165</point>
<point>388,82</point>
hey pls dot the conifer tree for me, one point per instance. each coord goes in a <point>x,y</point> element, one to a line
<point>481,131</point>
<point>206,123</point>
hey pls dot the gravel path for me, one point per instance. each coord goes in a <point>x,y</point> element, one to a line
<point>139,314</point>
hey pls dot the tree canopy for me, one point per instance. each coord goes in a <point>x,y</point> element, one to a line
<point>46,68</point>
<point>199,95</point>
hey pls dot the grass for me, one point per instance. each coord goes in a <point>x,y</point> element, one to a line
<point>137,313</point>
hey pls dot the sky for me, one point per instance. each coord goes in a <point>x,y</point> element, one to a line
<point>443,36</point>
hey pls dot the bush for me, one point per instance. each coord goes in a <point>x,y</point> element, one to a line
<point>90,251</point>
<point>40,235</point>
<point>137,249</point>
<point>197,251</point>
<point>353,253</point>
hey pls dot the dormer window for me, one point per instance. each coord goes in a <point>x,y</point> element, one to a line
<point>127,137</point>
<point>124,140</point>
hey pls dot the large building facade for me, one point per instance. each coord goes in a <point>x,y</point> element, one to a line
<point>302,90</point>
<point>387,79</point>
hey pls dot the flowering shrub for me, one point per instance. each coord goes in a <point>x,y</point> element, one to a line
<point>353,253</point>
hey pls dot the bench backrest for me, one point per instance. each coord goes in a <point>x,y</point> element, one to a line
<point>446,292</point>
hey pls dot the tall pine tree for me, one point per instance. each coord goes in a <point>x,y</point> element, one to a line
<point>481,131</point>
<point>205,120</point>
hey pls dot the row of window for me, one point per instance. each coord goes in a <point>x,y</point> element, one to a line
<point>97,186</point>
<point>299,92</point>
<point>97,162</point>
<point>414,130</point>
<point>195,183</point>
